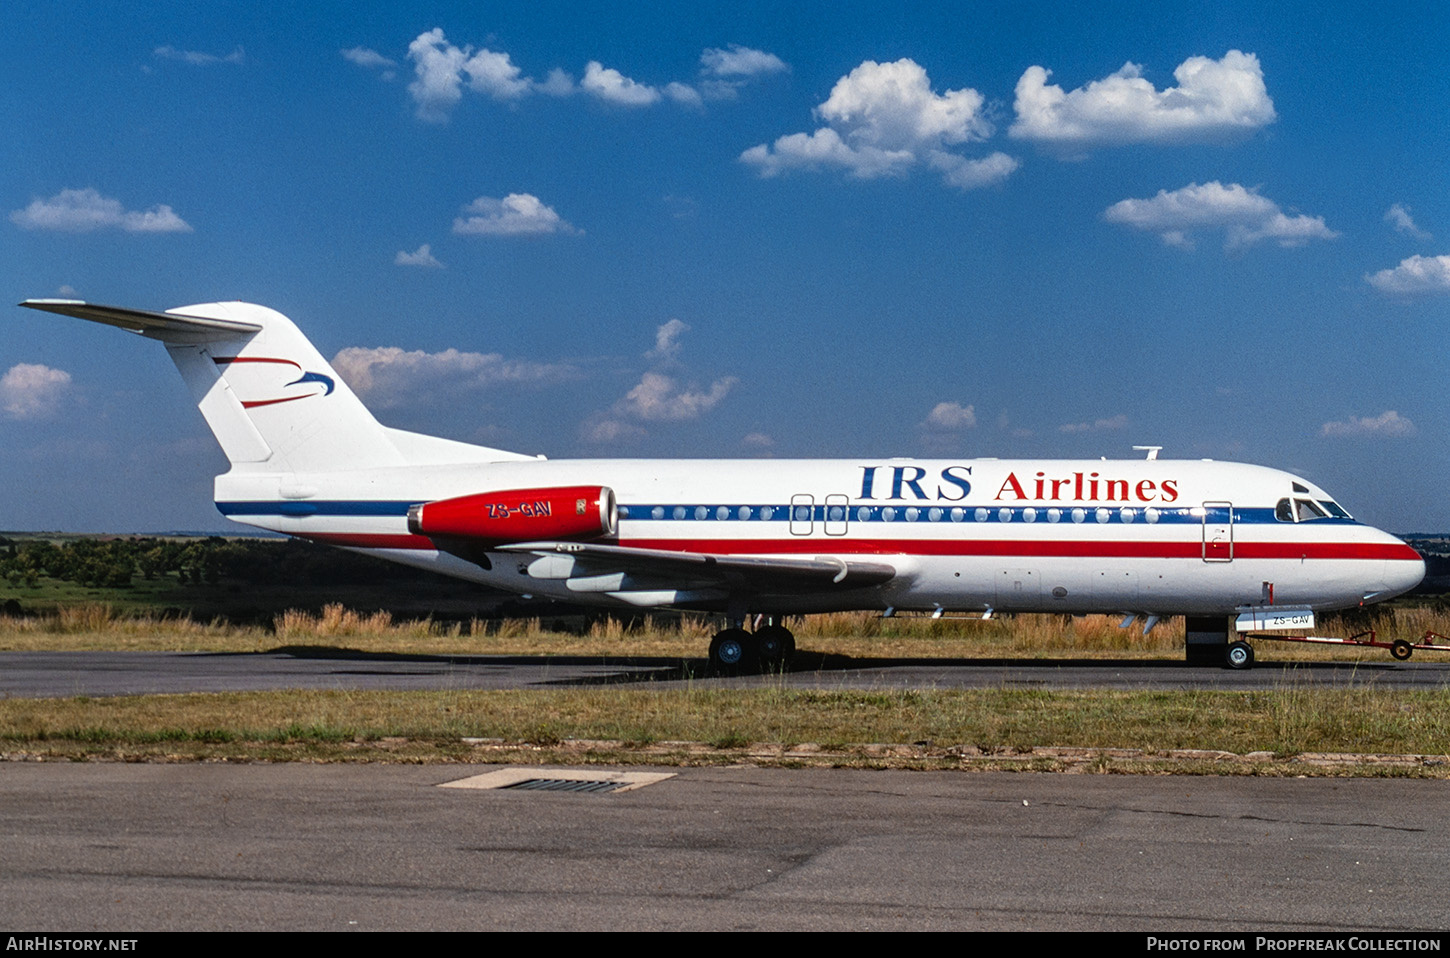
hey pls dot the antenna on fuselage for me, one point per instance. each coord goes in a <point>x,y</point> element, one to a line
<point>1152,451</point>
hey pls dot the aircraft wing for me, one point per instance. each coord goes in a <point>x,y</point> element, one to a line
<point>757,574</point>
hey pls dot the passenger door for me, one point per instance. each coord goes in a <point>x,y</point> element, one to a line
<point>1218,532</point>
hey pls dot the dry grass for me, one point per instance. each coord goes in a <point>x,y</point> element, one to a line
<point>97,626</point>
<point>855,634</point>
<point>1018,636</point>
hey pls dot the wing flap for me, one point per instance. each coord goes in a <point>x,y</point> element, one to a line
<point>167,327</point>
<point>756,573</point>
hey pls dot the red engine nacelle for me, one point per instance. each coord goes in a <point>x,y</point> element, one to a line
<point>517,515</point>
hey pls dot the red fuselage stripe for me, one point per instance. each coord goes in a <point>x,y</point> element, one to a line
<point>951,547</point>
<point>1192,549</point>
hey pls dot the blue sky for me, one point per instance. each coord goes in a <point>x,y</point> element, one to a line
<point>748,230</point>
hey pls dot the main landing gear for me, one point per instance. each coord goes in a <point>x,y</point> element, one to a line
<point>735,651</point>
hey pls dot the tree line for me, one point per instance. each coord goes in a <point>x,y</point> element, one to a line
<point>117,563</point>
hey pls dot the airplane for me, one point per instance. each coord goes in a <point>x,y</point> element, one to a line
<point>1218,542</point>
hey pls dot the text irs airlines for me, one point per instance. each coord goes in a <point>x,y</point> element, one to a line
<point>1077,487</point>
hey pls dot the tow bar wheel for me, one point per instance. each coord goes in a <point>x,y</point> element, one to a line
<point>1401,649</point>
<point>1240,656</point>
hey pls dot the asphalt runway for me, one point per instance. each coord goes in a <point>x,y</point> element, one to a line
<point>113,847</point>
<point>213,846</point>
<point>54,674</point>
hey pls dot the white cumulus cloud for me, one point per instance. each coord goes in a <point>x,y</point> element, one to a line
<point>740,61</point>
<point>494,74</point>
<point>445,70</point>
<point>370,59</point>
<point>518,214</point>
<point>1399,215</point>
<point>1213,99</point>
<point>969,174</point>
<point>1245,216</point>
<point>558,83</point>
<point>891,105</point>
<point>391,376</point>
<point>612,86</point>
<point>683,94</point>
<point>951,416</point>
<point>667,340</point>
<point>825,148</point>
<point>80,211</point>
<point>32,391</point>
<point>1418,274</point>
<point>1387,424</point>
<point>422,256</point>
<point>725,72</point>
<point>883,118</point>
<point>440,67</point>
<point>658,398</point>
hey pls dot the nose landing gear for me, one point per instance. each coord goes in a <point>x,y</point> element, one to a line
<point>1240,656</point>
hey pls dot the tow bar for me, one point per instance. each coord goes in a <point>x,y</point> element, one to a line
<point>1401,649</point>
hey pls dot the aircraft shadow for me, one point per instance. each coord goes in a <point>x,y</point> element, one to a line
<point>639,670</point>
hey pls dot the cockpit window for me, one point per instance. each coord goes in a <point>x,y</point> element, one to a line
<point>1304,505</point>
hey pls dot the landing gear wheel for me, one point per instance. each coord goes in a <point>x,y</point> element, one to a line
<point>1240,656</point>
<point>777,647</point>
<point>1401,649</point>
<point>733,652</point>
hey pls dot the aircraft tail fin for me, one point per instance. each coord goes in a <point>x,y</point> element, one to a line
<point>268,395</point>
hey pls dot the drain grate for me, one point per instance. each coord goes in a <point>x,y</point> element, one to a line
<point>602,781</point>
<point>565,785</point>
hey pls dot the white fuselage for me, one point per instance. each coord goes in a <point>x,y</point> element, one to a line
<point>1153,536</point>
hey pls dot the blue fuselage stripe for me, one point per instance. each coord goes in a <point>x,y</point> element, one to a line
<point>820,513</point>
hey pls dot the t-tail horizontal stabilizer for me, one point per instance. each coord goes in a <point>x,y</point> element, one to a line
<point>271,399</point>
<point>167,327</point>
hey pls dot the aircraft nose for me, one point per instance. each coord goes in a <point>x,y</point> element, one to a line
<point>1404,571</point>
